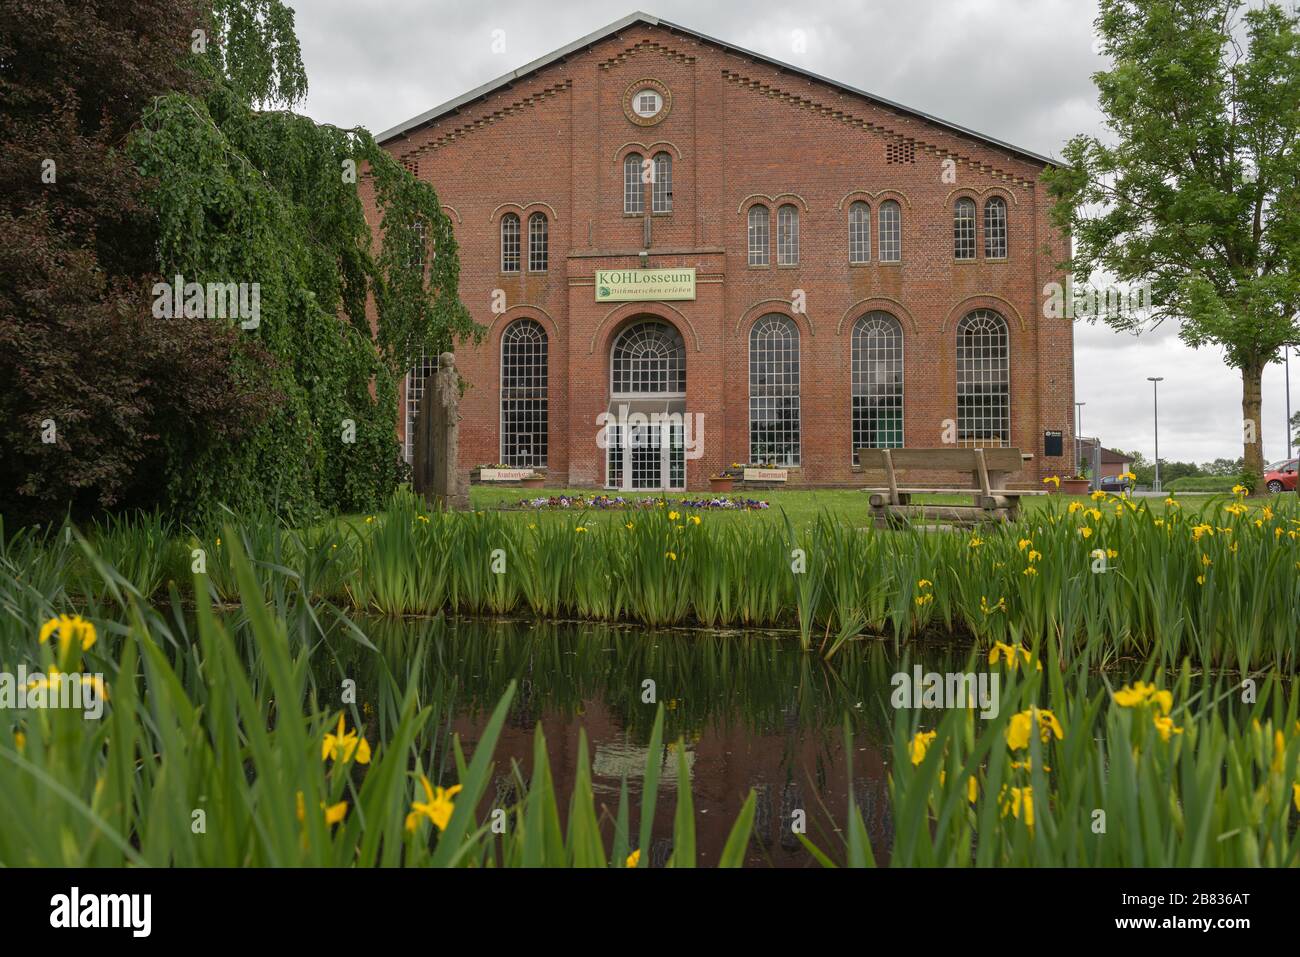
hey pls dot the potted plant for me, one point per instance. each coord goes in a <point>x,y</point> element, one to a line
<point>1076,484</point>
<point>722,482</point>
<point>534,480</point>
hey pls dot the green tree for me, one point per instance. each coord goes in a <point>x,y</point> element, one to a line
<point>1196,191</point>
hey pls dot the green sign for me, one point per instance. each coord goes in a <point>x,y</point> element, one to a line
<point>639,285</point>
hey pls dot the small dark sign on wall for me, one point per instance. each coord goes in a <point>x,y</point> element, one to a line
<point>1053,443</point>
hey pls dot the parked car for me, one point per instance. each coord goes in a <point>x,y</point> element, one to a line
<point>1281,476</point>
<point>1116,483</point>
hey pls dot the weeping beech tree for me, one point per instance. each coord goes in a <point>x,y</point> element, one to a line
<point>1197,190</point>
<point>247,192</point>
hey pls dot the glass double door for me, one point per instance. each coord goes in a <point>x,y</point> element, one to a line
<point>645,457</point>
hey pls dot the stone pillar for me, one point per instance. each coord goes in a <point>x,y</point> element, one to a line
<point>438,477</point>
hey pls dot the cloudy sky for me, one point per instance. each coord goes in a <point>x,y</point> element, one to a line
<point>375,63</point>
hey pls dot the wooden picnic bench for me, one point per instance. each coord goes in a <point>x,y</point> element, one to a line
<point>989,470</point>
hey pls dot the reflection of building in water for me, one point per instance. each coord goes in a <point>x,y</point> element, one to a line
<point>797,769</point>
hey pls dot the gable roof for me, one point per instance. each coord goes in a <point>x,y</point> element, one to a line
<point>478,93</point>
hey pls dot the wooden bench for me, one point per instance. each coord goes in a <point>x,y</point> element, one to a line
<point>989,470</point>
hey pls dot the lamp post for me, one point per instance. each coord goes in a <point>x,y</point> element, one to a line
<point>1078,442</point>
<point>1155,381</point>
<point>1286,356</point>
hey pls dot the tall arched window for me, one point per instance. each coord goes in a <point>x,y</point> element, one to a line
<point>889,235</point>
<point>859,232</point>
<point>963,229</point>
<point>537,243</point>
<point>995,228</point>
<point>524,394</point>
<point>510,243</point>
<point>633,188</point>
<point>983,380</point>
<point>774,391</point>
<point>877,360</point>
<point>662,193</point>
<point>760,222</point>
<point>787,235</point>
<point>649,358</point>
<point>415,380</point>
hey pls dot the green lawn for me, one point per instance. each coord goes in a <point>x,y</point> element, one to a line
<point>801,505</point>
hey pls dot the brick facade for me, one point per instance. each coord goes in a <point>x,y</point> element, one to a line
<point>740,130</point>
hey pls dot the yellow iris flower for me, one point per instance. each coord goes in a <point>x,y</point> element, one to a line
<point>437,806</point>
<point>341,745</point>
<point>69,627</point>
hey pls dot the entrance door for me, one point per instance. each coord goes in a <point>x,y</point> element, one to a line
<point>644,440</point>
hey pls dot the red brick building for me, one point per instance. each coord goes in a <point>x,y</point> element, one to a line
<point>841,271</point>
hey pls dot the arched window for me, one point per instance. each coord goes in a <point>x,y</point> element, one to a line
<point>415,379</point>
<point>859,232</point>
<point>510,243</point>
<point>787,235</point>
<point>983,380</point>
<point>995,228</point>
<point>877,361</point>
<point>633,189</point>
<point>889,235</point>
<point>963,229</point>
<point>662,193</point>
<point>537,243</point>
<point>760,222</point>
<point>649,357</point>
<point>524,394</point>
<point>774,391</point>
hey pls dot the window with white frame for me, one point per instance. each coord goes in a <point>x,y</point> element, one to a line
<point>414,395</point>
<point>760,222</point>
<point>963,229</point>
<point>662,191</point>
<point>787,235</point>
<point>510,243</point>
<point>859,232</point>
<point>537,243</point>
<point>995,228</point>
<point>524,394</point>
<point>774,391</point>
<point>889,234</point>
<point>877,360</point>
<point>649,358</point>
<point>633,188</point>
<point>983,380</point>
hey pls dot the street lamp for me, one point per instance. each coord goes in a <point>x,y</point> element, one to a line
<point>1155,381</point>
<point>1078,442</point>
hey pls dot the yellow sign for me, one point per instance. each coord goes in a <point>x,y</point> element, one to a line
<point>639,285</point>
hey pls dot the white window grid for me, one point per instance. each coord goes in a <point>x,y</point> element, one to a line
<point>995,228</point>
<point>760,223</point>
<point>890,232</point>
<point>963,229</point>
<point>662,191</point>
<point>424,368</point>
<point>877,362</point>
<point>787,236</point>
<point>524,395</point>
<point>983,380</point>
<point>417,245</point>
<point>655,457</point>
<point>859,232</point>
<point>647,103</point>
<point>538,252</point>
<point>510,243</point>
<point>648,358</point>
<point>774,391</point>
<point>633,189</point>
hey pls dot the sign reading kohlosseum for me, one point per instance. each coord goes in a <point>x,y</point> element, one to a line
<point>637,285</point>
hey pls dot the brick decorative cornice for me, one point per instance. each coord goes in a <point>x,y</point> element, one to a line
<point>487,119</point>
<point>852,119</point>
<point>646,46</point>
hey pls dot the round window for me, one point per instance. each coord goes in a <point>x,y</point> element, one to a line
<point>647,102</point>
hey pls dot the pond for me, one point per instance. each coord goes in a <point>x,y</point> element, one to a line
<point>751,711</point>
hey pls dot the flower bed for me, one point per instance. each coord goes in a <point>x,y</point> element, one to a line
<point>618,502</point>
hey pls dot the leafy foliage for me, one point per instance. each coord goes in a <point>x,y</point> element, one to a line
<point>1197,191</point>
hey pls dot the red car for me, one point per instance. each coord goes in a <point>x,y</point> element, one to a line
<point>1281,476</point>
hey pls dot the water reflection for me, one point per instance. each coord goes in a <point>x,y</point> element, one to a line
<point>751,710</point>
